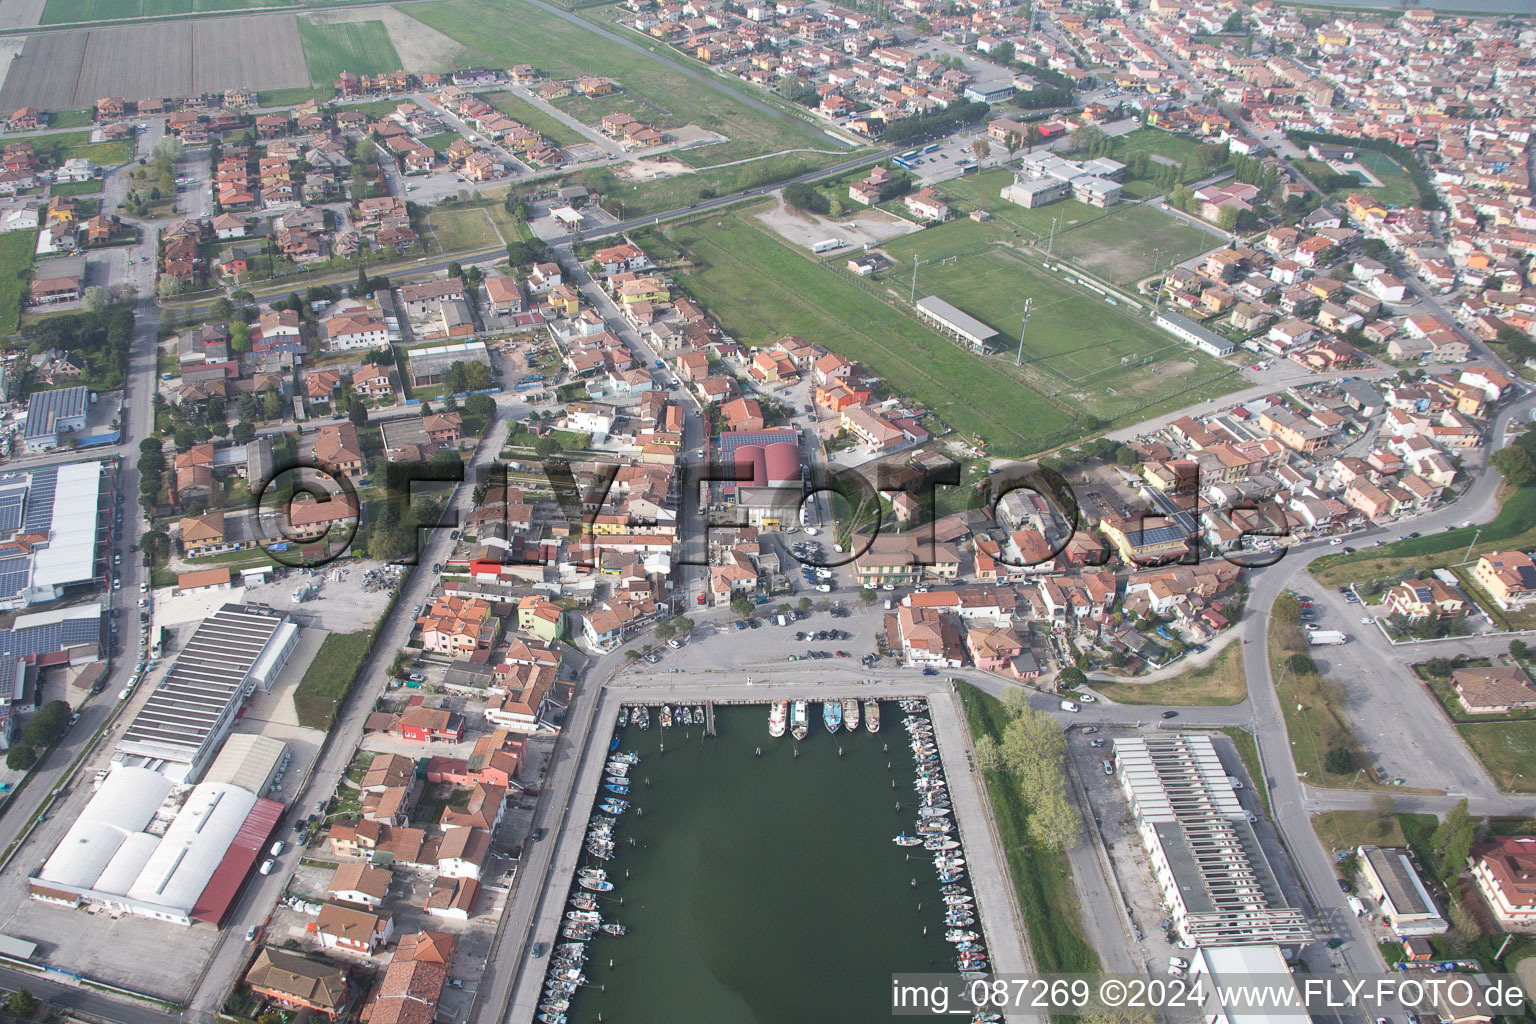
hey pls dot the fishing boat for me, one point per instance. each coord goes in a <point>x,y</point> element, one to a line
<point>615,929</point>
<point>643,717</point>
<point>831,715</point>
<point>906,840</point>
<point>685,714</point>
<point>940,843</point>
<point>698,713</point>
<point>559,1005</point>
<point>617,790</point>
<point>616,780</point>
<point>872,715</point>
<point>953,890</point>
<point>666,716</point>
<point>595,884</point>
<point>614,807</point>
<point>613,744</point>
<point>958,901</point>
<point>799,727</point>
<point>549,1017</point>
<point>932,812</point>
<point>623,715</point>
<point>851,715</point>
<point>625,757</point>
<point>959,935</point>
<point>584,901</point>
<point>584,916</point>
<point>778,715</point>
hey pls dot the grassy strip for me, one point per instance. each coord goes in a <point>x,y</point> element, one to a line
<point>1507,752</point>
<point>16,257</point>
<point>1248,753</point>
<point>1218,683</point>
<point>1513,527</point>
<point>1341,831</point>
<point>330,678</point>
<point>1042,878</point>
<point>76,188</point>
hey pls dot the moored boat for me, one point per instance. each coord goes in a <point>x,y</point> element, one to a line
<point>851,715</point>
<point>799,723</point>
<point>906,840</point>
<point>615,929</point>
<point>872,715</point>
<point>831,715</point>
<point>643,717</point>
<point>778,716</point>
<point>617,790</point>
<point>666,716</point>
<point>623,715</point>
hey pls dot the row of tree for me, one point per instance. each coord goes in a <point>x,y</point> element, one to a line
<point>1032,755</point>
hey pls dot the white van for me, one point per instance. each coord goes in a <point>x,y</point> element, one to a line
<point>1068,705</point>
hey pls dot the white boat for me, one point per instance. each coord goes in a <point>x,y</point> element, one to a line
<point>872,715</point>
<point>932,812</point>
<point>778,718</point>
<point>851,715</point>
<point>800,726</point>
<point>939,843</point>
<point>906,840</point>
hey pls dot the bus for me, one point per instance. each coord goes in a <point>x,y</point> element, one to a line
<point>930,148</point>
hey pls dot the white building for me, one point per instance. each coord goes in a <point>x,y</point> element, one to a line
<point>1405,903</point>
<point>1213,873</point>
<point>1206,340</point>
<point>1233,966</point>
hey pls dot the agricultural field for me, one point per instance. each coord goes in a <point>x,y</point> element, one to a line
<point>15,260</point>
<point>761,290</point>
<point>590,110</point>
<point>63,12</point>
<point>72,69</point>
<point>463,230</point>
<point>503,34</point>
<point>1119,245</point>
<point>520,110</point>
<point>1106,359</point>
<point>361,47</point>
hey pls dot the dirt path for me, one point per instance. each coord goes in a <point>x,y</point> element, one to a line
<point>420,48</point>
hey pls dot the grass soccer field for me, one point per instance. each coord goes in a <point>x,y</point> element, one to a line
<point>461,230</point>
<point>361,47</point>
<point>1121,244</point>
<point>760,290</point>
<point>1100,356</point>
<point>501,34</point>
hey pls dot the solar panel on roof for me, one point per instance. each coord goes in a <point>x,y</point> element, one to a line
<point>38,514</point>
<point>10,512</point>
<point>14,573</point>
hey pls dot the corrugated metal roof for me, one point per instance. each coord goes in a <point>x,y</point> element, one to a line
<point>243,851</point>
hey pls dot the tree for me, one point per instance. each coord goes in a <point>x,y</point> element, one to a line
<point>1300,664</point>
<point>1456,819</point>
<point>665,630</point>
<point>453,379</point>
<point>94,299</point>
<point>357,412</point>
<point>1071,678</point>
<point>741,606</point>
<point>804,604</point>
<point>981,148</point>
<point>988,758</point>
<point>1518,650</point>
<point>168,287</point>
<point>1053,821</point>
<point>548,445</point>
<point>47,725</point>
<point>1086,137</point>
<point>867,595</point>
<point>479,410</point>
<point>805,196</point>
<point>1516,464</point>
<point>185,436</point>
<point>1015,700</point>
<point>271,404</point>
<point>477,376</point>
<point>1234,23</point>
<point>454,269</point>
<point>22,1003</point>
<point>1383,813</point>
<point>243,432</point>
<point>1226,218</point>
<point>239,337</point>
<point>1339,761</point>
<point>20,758</point>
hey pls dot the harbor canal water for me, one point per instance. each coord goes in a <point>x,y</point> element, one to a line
<point>764,888</point>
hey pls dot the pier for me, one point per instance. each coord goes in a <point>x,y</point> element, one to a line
<point>709,718</point>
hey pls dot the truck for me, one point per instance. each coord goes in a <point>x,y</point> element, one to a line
<point>827,245</point>
<point>1326,638</point>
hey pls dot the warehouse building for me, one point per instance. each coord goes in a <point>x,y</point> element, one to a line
<point>429,364</point>
<point>1228,967</point>
<point>249,761</point>
<point>956,322</point>
<point>51,414</point>
<point>67,506</point>
<point>1392,881</point>
<point>1206,340</point>
<point>232,653</point>
<point>1204,853</point>
<point>144,845</point>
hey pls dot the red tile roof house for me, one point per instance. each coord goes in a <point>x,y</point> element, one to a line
<point>352,930</point>
<point>413,982</point>
<point>428,725</point>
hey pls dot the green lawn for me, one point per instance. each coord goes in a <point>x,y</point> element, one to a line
<point>761,290</point>
<point>330,677</point>
<point>1346,830</point>
<point>1513,527</point>
<point>440,142</point>
<point>1042,878</point>
<point>462,230</point>
<point>1179,148</point>
<point>16,249</point>
<point>294,97</point>
<point>70,118</point>
<point>498,34</point>
<point>591,110</point>
<point>361,47</point>
<point>1507,751</point>
<point>76,188</point>
<point>1118,245</point>
<point>1219,682</point>
<point>660,194</point>
<point>67,145</point>
<point>1396,188</point>
<point>1098,357</point>
<point>520,110</point>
